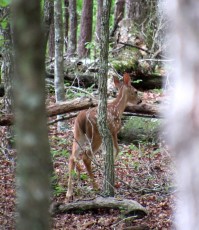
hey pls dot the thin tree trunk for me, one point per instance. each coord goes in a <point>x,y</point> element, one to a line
<point>107,144</point>
<point>51,43</point>
<point>33,153</point>
<point>184,119</point>
<point>59,68</point>
<point>66,4</point>
<point>47,19</point>
<point>85,28</point>
<point>118,15</point>
<point>72,40</point>
<point>98,24</point>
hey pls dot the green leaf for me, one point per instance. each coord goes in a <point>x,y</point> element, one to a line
<point>4,3</point>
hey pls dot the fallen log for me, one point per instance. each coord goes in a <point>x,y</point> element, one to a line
<point>81,104</point>
<point>128,207</point>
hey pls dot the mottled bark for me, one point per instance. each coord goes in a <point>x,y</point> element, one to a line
<point>184,119</point>
<point>33,153</point>
<point>7,74</point>
<point>85,28</point>
<point>107,143</point>
<point>72,39</point>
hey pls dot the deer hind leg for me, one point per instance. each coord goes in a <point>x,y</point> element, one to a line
<point>87,162</point>
<point>74,162</point>
<point>87,158</point>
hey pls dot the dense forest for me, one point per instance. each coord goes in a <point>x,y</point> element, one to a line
<point>98,114</point>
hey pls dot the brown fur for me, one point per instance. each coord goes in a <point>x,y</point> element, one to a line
<point>86,131</point>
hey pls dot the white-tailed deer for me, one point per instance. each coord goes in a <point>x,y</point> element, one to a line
<point>86,131</point>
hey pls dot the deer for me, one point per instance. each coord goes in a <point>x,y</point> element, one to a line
<point>86,130</point>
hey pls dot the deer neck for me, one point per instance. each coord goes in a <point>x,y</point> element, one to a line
<point>120,102</point>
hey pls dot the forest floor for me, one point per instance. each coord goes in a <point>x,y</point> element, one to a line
<point>144,173</point>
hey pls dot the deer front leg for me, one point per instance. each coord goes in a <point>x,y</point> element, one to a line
<point>87,163</point>
<point>115,146</point>
<point>69,193</point>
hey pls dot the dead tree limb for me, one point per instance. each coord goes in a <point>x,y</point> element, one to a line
<point>81,104</point>
<point>128,207</point>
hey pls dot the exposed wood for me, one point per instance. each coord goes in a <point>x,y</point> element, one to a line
<point>128,207</point>
<point>81,104</point>
<point>70,106</point>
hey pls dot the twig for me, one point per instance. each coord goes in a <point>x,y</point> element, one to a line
<point>62,118</point>
<point>137,47</point>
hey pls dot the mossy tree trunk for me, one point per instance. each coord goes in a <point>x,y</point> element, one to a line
<point>33,153</point>
<point>107,144</point>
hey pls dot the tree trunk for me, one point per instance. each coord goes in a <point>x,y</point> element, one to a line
<point>118,15</point>
<point>7,77</point>
<point>136,10</point>
<point>47,19</point>
<point>98,23</point>
<point>72,40</point>
<point>33,153</point>
<point>184,119</point>
<point>51,43</point>
<point>107,143</point>
<point>59,68</point>
<point>85,29</point>
<point>66,4</point>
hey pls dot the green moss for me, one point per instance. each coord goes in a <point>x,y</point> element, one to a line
<point>124,65</point>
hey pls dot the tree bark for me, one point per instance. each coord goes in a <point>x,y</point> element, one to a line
<point>107,143</point>
<point>59,67</point>
<point>47,19</point>
<point>129,207</point>
<point>72,40</point>
<point>66,14</point>
<point>85,28</point>
<point>136,10</point>
<point>33,152</point>
<point>98,23</point>
<point>184,122</point>
<point>51,43</point>
<point>118,15</point>
<point>7,72</point>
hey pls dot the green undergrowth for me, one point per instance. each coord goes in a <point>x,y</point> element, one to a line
<point>140,130</point>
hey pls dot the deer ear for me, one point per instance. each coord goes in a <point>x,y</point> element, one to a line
<point>116,82</point>
<point>127,79</point>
